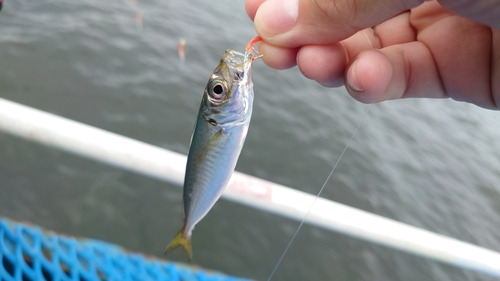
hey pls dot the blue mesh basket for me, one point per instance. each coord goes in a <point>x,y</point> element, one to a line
<point>28,253</point>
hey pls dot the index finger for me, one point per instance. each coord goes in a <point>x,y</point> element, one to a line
<point>251,7</point>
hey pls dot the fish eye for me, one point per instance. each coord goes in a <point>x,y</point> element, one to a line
<point>217,90</point>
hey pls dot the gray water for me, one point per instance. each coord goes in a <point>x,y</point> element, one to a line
<point>429,163</point>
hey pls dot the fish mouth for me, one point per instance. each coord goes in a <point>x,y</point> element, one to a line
<point>234,66</point>
<point>234,59</point>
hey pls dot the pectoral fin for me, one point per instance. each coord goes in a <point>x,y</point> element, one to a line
<point>212,142</point>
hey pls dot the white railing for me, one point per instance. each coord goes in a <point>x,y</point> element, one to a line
<point>146,159</point>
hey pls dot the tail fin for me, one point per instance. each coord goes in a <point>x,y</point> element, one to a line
<point>181,240</point>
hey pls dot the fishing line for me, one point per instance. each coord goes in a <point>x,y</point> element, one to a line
<point>317,196</point>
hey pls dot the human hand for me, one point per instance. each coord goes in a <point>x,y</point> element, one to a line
<point>387,49</point>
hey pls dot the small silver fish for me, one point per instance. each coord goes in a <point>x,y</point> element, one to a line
<point>219,133</point>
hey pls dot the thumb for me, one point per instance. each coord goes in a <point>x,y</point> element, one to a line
<point>293,23</point>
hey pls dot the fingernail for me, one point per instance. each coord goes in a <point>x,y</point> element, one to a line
<point>351,78</point>
<point>276,16</point>
<point>333,84</point>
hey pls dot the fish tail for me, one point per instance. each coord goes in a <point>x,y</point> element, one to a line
<point>181,239</point>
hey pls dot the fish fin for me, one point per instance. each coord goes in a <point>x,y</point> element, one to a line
<point>211,142</point>
<point>181,240</point>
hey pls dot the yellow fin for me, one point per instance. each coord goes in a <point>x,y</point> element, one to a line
<point>181,240</point>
